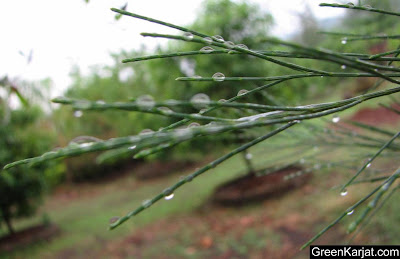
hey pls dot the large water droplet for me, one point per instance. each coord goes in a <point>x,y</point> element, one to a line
<point>229,44</point>
<point>188,36</point>
<point>350,212</point>
<point>367,6</point>
<point>207,40</point>
<point>242,92</point>
<point>335,119</point>
<point>206,49</point>
<point>169,197</point>
<point>344,40</point>
<point>145,102</point>
<point>114,219</point>
<point>78,113</point>
<point>343,193</point>
<point>219,77</point>
<point>368,165</point>
<point>242,46</point>
<point>343,67</point>
<point>218,38</point>
<point>200,101</point>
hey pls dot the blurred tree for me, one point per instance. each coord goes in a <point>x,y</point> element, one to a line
<point>21,135</point>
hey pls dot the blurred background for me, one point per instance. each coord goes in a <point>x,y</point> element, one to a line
<point>61,209</point>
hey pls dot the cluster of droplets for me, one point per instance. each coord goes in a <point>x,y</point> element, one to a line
<point>200,101</point>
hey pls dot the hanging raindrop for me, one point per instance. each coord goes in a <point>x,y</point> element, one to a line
<point>200,101</point>
<point>343,193</point>
<point>350,212</point>
<point>242,92</point>
<point>188,36</point>
<point>344,40</point>
<point>368,165</point>
<point>169,197</point>
<point>219,77</point>
<point>350,4</point>
<point>206,49</point>
<point>343,67</point>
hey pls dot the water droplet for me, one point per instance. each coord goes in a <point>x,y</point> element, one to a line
<point>114,219</point>
<point>189,178</point>
<point>145,102</point>
<point>165,110</point>
<point>335,119</point>
<point>219,77</point>
<point>344,40</point>
<point>350,212</point>
<point>78,113</point>
<point>206,49</point>
<point>322,76</point>
<point>343,193</point>
<point>146,203</point>
<point>132,147</point>
<point>302,161</point>
<point>100,102</point>
<point>368,165</point>
<point>188,36</point>
<point>229,44</point>
<point>208,40</point>
<point>218,38</point>
<point>200,100</point>
<point>376,70</point>
<point>146,131</point>
<point>367,6</point>
<point>193,124</point>
<point>196,76</point>
<point>232,52</point>
<point>242,46</point>
<point>249,156</point>
<point>169,197</point>
<point>343,67</point>
<point>351,5</point>
<point>385,187</point>
<point>242,92</point>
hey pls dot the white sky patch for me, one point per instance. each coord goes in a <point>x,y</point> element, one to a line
<point>66,33</point>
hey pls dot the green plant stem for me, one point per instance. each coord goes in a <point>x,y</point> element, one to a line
<point>202,170</point>
<point>362,8</point>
